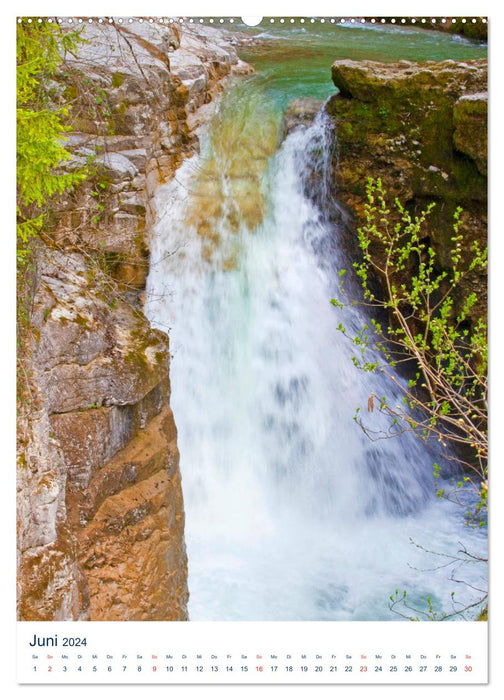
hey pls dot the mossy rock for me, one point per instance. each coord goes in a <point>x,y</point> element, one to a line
<point>413,126</point>
<point>470,117</point>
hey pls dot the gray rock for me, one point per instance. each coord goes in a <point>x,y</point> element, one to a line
<point>117,166</point>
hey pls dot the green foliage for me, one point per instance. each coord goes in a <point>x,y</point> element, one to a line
<point>402,606</point>
<point>40,125</point>
<point>446,393</point>
<point>416,610</point>
<point>41,157</point>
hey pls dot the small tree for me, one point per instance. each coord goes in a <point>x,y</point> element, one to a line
<point>40,155</point>
<point>40,118</point>
<point>446,394</point>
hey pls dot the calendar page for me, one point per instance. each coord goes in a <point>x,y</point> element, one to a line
<point>252,300</point>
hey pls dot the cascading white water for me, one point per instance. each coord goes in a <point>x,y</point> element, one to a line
<point>291,512</point>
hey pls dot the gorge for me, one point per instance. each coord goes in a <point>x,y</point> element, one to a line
<point>222,222</point>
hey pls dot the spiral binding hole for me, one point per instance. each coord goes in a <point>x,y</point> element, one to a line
<point>272,20</point>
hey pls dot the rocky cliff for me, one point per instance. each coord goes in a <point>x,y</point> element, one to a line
<point>422,129</point>
<point>100,511</point>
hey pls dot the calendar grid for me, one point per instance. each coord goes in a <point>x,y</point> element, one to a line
<point>264,653</point>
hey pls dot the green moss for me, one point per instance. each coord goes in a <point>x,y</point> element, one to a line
<point>483,616</point>
<point>478,30</point>
<point>362,111</point>
<point>470,107</point>
<point>121,107</point>
<point>137,356</point>
<point>111,259</point>
<point>403,132</point>
<point>140,333</point>
<point>422,116</point>
<point>117,79</point>
<point>71,93</point>
<point>81,321</point>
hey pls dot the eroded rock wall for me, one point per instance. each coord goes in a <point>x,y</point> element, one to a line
<point>422,129</point>
<point>100,509</point>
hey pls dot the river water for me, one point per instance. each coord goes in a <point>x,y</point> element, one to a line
<point>291,512</point>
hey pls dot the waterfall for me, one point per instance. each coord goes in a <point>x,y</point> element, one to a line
<point>292,513</point>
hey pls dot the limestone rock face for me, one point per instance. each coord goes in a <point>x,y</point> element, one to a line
<point>100,508</point>
<point>144,94</point>
<point>101,513</point>
<point>422,129</point>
